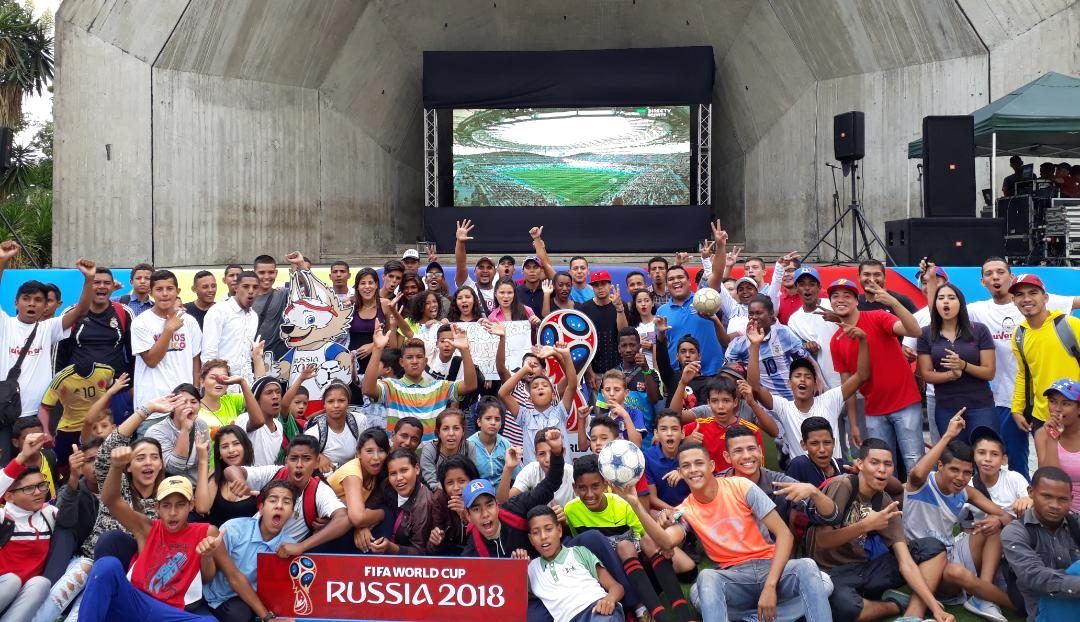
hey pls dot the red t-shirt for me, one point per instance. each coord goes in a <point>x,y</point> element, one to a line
<point>892,385</point>
<point>168,567</point>
<point>715,436</point>
<point>789,303</point>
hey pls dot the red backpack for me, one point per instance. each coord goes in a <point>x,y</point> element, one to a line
<point>309,510</point>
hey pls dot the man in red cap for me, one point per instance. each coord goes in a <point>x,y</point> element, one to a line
<point>1045,346</point>
<point>893,403</point>
<point>608,315</point>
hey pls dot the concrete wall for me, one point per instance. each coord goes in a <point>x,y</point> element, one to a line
<point>243,126</point>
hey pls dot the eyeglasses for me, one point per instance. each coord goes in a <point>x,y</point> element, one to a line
<point>29,490</point>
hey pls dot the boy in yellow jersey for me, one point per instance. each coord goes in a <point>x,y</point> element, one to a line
<point>76,390</point>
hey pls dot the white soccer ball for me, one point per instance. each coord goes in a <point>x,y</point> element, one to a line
<point>621,462</point>
<point>707,301</point>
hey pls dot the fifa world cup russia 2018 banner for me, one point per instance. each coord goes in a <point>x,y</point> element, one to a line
<point>370,587</point>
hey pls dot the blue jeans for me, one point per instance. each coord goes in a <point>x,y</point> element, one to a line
<point>588,616</point>
<point>1016,441</point>
<point>903,427</point>
<point>802,592</point>
<point>974,418</point>
<point>1058,609</point>
<point>110,596</point>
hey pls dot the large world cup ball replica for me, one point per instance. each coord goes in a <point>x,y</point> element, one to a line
<point>575,330</point>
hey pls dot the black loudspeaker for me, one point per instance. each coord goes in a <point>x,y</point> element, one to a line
<point>848,143</point>
<point>948,241</point>
<point>949,166</point>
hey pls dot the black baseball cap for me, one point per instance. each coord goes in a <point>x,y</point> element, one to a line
<point>509,258</point>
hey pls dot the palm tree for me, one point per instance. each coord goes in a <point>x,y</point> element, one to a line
<point>26,59</point>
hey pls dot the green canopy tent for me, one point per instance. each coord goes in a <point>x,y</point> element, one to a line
<point>1040,119</point>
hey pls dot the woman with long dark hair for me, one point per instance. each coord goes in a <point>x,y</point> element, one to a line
<point>355,481</point>
<point>956,355</point>
<point>367,309</point>
<point>214,498</point>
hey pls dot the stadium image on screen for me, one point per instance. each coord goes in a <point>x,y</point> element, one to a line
<point>572,156</point>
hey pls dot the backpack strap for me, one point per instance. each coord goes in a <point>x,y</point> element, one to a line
<point>322,427</point>
<point>309,509</point>
<point>354,427</point>
<point>1067,337</point>
<point>121,315</point>
<point>1029,399</point>
<point>16,369</point>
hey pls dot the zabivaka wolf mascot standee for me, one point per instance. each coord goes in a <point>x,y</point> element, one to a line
<point>311,320</point>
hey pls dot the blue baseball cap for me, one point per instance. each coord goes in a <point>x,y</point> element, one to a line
<point>839,284</point>
<point>1067,387</point>
<point>807,271</point>
<point>475,489</point>
<point>532,258</point>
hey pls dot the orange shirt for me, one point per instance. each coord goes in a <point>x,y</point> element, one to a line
<point>728,526</point>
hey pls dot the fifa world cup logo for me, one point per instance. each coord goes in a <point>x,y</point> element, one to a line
<point>302,571</point>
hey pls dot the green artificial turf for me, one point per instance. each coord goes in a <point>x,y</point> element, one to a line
<point>573,186</point>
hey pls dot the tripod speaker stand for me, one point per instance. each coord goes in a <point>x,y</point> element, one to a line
<point>863,238</point>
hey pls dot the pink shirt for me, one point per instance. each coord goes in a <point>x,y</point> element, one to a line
<point>1070,463</point>
<point>498,316</point>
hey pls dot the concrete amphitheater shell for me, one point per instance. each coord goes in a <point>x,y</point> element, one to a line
<point>202,131</point>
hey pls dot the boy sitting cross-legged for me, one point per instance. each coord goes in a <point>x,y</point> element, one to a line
<point>597,509</point>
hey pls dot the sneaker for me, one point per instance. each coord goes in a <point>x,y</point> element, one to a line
<point>899,598</point>
<point>643,615</point>
<point>984,609</point>
<point>909,619</point>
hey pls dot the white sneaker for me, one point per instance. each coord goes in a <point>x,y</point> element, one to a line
<point>984,609</point>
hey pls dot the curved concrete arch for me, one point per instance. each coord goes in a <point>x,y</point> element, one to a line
<point>183,125</point>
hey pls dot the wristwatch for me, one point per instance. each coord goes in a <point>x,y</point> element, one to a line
<point>142,411</point>
<point>270,615</point>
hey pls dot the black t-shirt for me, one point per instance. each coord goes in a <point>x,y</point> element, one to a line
<point>605,319</point>
<point>194,311</point>
<point>877,306</point>
<point>532,299</point>
<point>99,338</point>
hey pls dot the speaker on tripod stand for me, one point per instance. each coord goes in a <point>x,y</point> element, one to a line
<point>849,148</point>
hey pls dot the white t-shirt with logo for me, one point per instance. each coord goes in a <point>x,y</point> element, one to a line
<point>1002,320</point>
<point>37,370</point>
<point>829,405</point>
<point>175,367</point>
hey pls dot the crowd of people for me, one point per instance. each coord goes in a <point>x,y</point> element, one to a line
<point>153,448</point>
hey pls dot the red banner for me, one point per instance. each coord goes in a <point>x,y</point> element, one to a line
<point>369,587</point>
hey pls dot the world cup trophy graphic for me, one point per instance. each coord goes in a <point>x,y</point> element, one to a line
<point>302,572</point>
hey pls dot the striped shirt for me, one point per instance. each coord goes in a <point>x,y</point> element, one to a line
<point>423,400</point>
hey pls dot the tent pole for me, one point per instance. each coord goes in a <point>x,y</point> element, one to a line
<point>908,214</point>
<point>993,168</point>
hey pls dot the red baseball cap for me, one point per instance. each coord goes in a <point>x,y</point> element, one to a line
<point>599,276</point>
<point>847,284</point>
<point>1026,279</point>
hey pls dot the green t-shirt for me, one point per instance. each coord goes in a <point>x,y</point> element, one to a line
<point>614,520</point>
<point>232,404</point>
